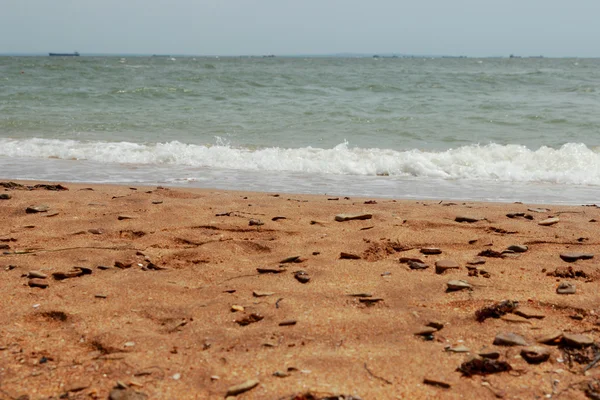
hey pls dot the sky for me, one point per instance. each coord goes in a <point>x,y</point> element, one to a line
<point>552,28</point>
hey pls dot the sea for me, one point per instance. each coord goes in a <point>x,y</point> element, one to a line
<point>462,129</point>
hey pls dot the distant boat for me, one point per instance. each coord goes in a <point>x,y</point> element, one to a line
<point>75,54</point>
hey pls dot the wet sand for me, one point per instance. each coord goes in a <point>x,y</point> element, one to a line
<point>174,293</point>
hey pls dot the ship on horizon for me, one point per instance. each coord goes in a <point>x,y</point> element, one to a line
<point>74,54</point>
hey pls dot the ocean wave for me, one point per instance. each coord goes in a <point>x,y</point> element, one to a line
<point>572,163</point>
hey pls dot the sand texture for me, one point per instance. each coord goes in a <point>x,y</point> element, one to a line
<point>171,293</point>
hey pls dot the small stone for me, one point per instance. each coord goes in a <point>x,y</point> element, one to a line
<point>292,259</point>
<point>549,221</point>
<point>436,324</point>
<point>242,387</point>
<point>370,301</point>
<point>37,209</point>
<point>514,319</point>
<point>417,265</point>
<point>442,265</point>
<point>95,231</point>
<point>281,374</point>
<point>538,210</point>
<point>572,257</point>
<point>431,250</point>
<point>236,308</point>
<point>527,312</point>
<point>302,276</point>
<point>5,196</point>
<point>535,354</point>
<point>270,270</point>
<point>129,344</point>
<point>37,274</point>
<point>157,202</point>
<point>437,382</point>
<point>249,319</point>
<point>455,285</point>
<point>425,331</point>
<point>100,296</point>
<point>491,354</point>
<point>553,337</point>
<point>52,214</point>
<point>349,256</point>
<point>288,322</point>
<point>566,288</point>
<point>126,394</point>
<point>258,293</point>
<point>476,261</point>
<point>350,217</point>
<point>362,294</point>
<point>515,214</point>
<point>576,340</point>
<point>458,349</point>
<point>39,283</point>
<point>509,339</point>
<point>255,222</point>
<point>176,376</point>
<point>518,248</point>
<point>122,217</point>
<point>468,218</point>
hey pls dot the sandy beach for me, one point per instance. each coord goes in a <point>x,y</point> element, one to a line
<point>174,293</point>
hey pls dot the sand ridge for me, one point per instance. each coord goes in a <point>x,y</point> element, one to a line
<point>160,282</point>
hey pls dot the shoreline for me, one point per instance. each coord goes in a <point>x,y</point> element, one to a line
<point>185,292</point>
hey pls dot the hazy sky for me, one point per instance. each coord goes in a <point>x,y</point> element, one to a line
<point>233,27</point>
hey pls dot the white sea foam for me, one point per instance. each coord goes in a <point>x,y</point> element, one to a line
<point>573,163</point>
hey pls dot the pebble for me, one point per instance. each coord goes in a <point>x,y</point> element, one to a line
<point>566,288</point>
<point>249,319</point>
<point>100,296</point>
<point>458,349</point>
<point>417,265</point>
<point>518,248</point>
<point>302,276</point>
<point>509,339</point>
<point>126,394</point>
<point>476,261</point>
<point>425,331</point>
<point>491,354</point>
<point>549,221</point>
<point>349,256</point>
<point>468,218</point>
<point>37,209</point>
<point>95,231</point>
<point>455,285</point>
<point>288,322</point>
<point>292,259</point>
<point>258,293</point>
<point>235,308</point>
<point>242,387</point>
<point>122,217</point>
<point>527,312</point>
<point>538,210</point>
<point>431,250</point>
<point>350,217</point>
<point>255,222</point>
<point>436,324</point>
<point>442,265</point>
<point>514,319</point>
<point>40,283</point>
<point>551,338</point>
<point>437,382</point>
<point>5,196</point>
<point>52,214</point>
<point>576,340</point>
<point>572,257</point>
<point>37,274</point>
<point>535,354</point>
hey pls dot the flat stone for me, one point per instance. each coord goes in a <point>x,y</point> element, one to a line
<point>549,221</point>
<point>255,222</point>
<point>538,210</point>
<point>37,209</point>
<point>576,340</point>
<point>236,308</point>
<point>437,382</point>
<point>553,337</point>
<point>488,353</point>
<point>39,283</point>
<point>509,339</point>
<point>476,261</point>
<point>349,256</point>
<point>431,250</point>
<point>417,265</point>
<point>425,331</point>
<point>442,265</point>
<point>302,276</point>
<point>436,324</point>
<point>288,322</point>
<point>572,257</point>
<point>527,312</point>
<point>292,259</point>
<point>95,231</point>
<point>258,293</point>
<point>122,217</point>
<point>5,196</point>
<point>468,218</point>
<point>350,217</point>
<point>37,274</point>
<point>518,248</point>
<point>242,387</point>
<point>535,354</point>
<point>455,285</point>
<point>515,319</point>
<point>566,288</point>
<point>458,349</point>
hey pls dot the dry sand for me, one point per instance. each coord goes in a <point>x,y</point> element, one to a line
<point>171,333</point>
